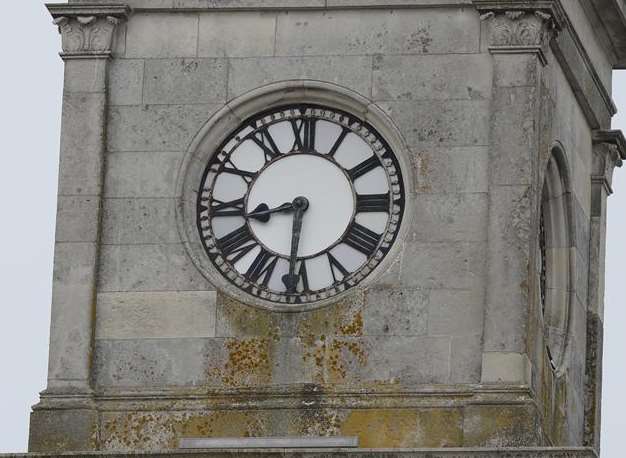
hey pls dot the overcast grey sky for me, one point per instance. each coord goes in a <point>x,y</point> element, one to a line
<point>30,112</point>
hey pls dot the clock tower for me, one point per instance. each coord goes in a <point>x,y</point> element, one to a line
<point>370,221</point>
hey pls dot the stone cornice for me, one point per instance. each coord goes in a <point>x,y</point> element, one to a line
<point>87,30</point>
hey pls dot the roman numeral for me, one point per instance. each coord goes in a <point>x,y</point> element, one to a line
<point>372,203</point>
<point>364,167</point>
<point>236,242</point>
<point>262,267</point>
<point>335,264</point>
<point>304,134</point>
<point>263,138</point>
<point>362,239</point>
<point>303,275</point>
<point>345,131</point>
<point>231,208</point>
<point>247,176</point>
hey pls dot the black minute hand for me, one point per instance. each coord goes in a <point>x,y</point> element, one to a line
<point>262,212</point>
<point>300,204</point>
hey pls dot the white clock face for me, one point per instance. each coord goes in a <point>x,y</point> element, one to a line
<point>300,203</point>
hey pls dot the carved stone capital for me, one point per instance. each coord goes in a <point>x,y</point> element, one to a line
<point>87,31</point>
<point>518,31</point>
<point>609,152</point>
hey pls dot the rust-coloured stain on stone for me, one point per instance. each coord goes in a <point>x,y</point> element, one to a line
<point>163,430</point>
<point>248,361</point>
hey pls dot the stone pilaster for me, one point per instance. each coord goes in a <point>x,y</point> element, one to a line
<point>65,418</point>
<point>608,151</point>
<point>517,39</point>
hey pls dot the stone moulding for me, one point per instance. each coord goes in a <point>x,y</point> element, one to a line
<point>536,452</point>
<point>87,30</point>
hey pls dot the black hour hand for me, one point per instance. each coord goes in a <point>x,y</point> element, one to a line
<point>262,212</point>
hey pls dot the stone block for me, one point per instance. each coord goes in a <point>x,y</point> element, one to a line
<point>506,367</point>
<point>581,275</point>
<point>153,362</point>
<point>148,268</point>
<point>407,360</point>
<point>180,81</point>
<point>513,70</point>
<point>236,319</point>
<point>450,217</point>
<point>447,265</point>
<point>77,219</point>
<point>451,169</point>
<point>341,32</point>
<point>354,72</point>
<point>405,428</point>
<point>392,3</point>
<point>141,174</point>
<point>162,35</point>
<point>125,430</point>
<point>73,293</point>
<point>465,359</point>
<point>66,430</point>
<point>237,34</point>
<point>139,221</point>
<point>288,362</point>
<point>455,312</point>
<point>158,315</point>
<point>508,260</point>
<point>432,77</point>
<point>391,312</point>
<point>500,426</point>
<point>514,139</point>
<point>126,81</point>
<point>438,123</point>
<point>84,75</point>
<point>156,127</point>
<point>82,144</point>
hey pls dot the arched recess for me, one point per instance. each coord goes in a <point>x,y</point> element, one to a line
<point>556,257</point>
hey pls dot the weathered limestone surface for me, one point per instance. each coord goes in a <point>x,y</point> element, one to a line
<point>447,347</point>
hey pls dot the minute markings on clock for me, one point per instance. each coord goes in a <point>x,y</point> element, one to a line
<point>258,273</point>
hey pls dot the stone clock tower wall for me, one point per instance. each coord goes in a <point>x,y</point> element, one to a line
<point>462,340</point>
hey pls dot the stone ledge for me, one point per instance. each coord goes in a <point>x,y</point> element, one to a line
<point>191,5</point>
<point>542,452</point>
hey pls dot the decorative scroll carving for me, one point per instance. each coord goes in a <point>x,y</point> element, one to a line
<point>518,30</point>
<point>87,32</point>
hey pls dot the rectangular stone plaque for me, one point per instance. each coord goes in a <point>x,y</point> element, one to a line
<point>270,442</point>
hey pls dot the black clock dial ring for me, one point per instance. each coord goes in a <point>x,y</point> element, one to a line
<point>273,255</point>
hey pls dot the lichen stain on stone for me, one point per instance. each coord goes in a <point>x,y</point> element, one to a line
<point>440,428</point>
<point>318,422</point>
<point>382,428</point>
<point>243,320</point>
<point>248,362</point>
<point>354,327</point>
<point>501,426</point>
<point>422,165</point>
<point>163,430</point>
<point>341,355</point>
<point>420,40</point>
